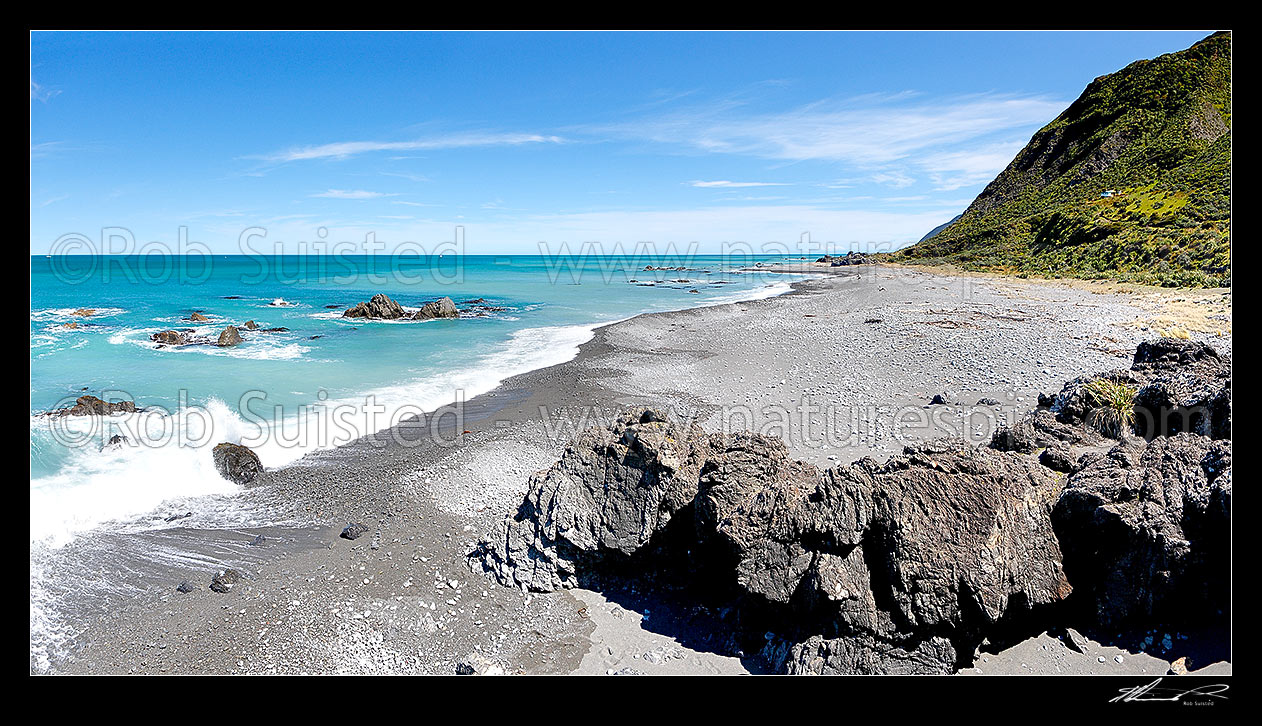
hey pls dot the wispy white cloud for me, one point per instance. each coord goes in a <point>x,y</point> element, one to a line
<point>868,131</point>
<point>351,194</point>
<point>723,184</point>
<point>54,200</point>
<point>47,148</point>
<point>950,170</point>
<point>896,179</point>
<point>346,149</point>
<point>42,93</point>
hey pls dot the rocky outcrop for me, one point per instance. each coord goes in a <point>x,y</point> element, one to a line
<point>613,488</point>
<point>851,258</point>
<point>1187,387</point>
<point>1146,528</point>
<point>236,463</point>
<point>905,566</point>
<point>1179,385</point>
<point>860,549</point>
<point>229,337</point>
<point>198,318</point>
<point>93,406</point>
<point>379,307</point>
<point>443,307</point>
<point>856,552</point>
<point>171,337</point>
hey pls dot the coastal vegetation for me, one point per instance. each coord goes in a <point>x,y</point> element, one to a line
<point>1131,182</point>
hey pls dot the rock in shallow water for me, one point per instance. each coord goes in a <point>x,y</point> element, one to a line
<point>236,463</point>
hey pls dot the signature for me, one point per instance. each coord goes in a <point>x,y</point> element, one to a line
<point>1151,692</point>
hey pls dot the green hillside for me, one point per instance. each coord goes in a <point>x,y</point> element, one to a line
<point>1157,134</point>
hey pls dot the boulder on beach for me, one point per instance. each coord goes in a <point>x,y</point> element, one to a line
<point>225,580</point>
<point>353,531</point>
<point>250,325</point>
<point>236,463</point>
<point>613,488</point>
<point>860,548</point>
<point>93,406</point>
<point>229,337</point>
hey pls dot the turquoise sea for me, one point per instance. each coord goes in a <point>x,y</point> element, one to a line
<point>323,381</point>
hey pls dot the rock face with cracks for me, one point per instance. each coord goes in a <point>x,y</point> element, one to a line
<point>611,491</point>
<point>1147,528</point>
<point>909,562</point>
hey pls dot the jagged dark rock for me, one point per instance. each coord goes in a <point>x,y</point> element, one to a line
<point>229,337</point>
<point>353,531</point>
<point>1187,387</point>
<point>236,463</point>
<point>613,488</point>
<point>1057,458</point>
<point>1146,528</point>
<point>443,307</point>
<point>170,337</point>
<point>225,580</point>
<point>93,406</point>
<point>864,654</point>
<point>856,551</point>
<point>379,307</point>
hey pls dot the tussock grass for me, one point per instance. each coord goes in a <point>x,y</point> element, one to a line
<point>1114,411</point>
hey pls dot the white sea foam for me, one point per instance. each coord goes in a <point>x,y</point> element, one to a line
<point>64,314</point>
<point>94,487</point>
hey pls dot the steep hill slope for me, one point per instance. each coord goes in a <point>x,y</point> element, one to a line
<point>1132,181</point>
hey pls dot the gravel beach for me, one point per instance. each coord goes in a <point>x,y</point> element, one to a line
<point>843,367</point>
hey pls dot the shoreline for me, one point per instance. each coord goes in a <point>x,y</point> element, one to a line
<point>427,505</point>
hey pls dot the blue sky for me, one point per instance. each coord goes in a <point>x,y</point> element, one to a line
<point>854,138</point>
